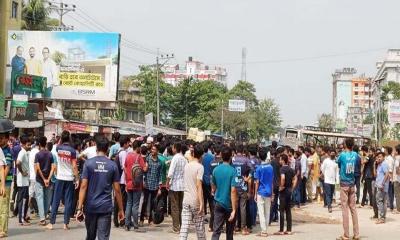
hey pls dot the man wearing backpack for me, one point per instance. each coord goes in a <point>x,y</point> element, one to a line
<point>134,167</point>
<point>119,159</point>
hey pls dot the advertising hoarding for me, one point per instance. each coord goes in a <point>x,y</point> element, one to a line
<point>237,105</point>
<point>66,65</point>
<point>394,112</point>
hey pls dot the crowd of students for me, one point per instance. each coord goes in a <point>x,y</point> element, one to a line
<point>136,179</point>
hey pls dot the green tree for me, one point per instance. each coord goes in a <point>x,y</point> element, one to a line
<point>325,120</point>
<point>266,120</point>
<point>369,119</point>
<point>35,16</point>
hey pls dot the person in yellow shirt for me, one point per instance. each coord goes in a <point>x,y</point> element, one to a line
<point>33,65</point>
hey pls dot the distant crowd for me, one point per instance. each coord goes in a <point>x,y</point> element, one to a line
<point>135,179</point>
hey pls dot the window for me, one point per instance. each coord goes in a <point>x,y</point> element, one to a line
<point>14,10</point>
<point>356,84</point>
<point>355,93</point>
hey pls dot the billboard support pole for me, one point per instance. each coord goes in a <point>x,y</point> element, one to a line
<point>158,89</point>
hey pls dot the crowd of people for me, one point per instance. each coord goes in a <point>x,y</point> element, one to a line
<point>130,180</point>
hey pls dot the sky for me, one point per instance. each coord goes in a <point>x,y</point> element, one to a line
<point>293,46</point>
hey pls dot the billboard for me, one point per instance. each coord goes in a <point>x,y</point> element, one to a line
<point>394,112</point>
<point>343,102</point>
<point>63,65</point>
<point>237,105</point>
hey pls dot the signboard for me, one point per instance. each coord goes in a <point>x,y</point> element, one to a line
<point>394,112</point>
<point>29,113</point>
<point>237,105</point>
<point>20,101</point>
<point>149,123</point>
<point>64,65</point>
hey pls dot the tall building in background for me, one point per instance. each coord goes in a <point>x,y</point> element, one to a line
<point>361,92</point>
<point>342,95</point>
<point>10,19</point>
<point>174,73</point>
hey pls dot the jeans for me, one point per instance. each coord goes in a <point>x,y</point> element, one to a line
<point>152,194</point>
<point>210,199</point>
<point>374,202</point>
<point>242,207</point>
<point>358,189</point>
<point>176,209</point>
<point>191,214</point>
<point>381,202</point>
<point>132,208</point>
<point>98,224</point>
<point>367,189</point>
<point>43,199</point>
<point>329,190</point>
<point>274,207</point>
<point>264,206</point>
<point>348,201</point>
<point>124,199</point>
<point>284,208</point>
<point>253,212</point>
<point>391,195</point>
<point>221,216</point>
<point>4,210</point>
<point>62,190</point>
<point>397,194</point>
<point>296,195</point>
<point>22,203</point>
<point>303,192</point>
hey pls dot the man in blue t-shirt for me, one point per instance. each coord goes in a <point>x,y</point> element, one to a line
<point>208,158</point>
<point>382,186</point>
<point>264,177</point>
<point>225,195</point>
<point>100,175</point>
<point>347,163</point>
<point>242,166</point>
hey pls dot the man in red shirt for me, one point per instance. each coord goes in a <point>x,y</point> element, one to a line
<point>133,190</point>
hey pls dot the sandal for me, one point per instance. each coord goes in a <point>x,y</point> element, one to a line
<point>245,232</point>
<point>42,223</point>
<point>380,221</point>
<point>279,233</point>
<point>262,234</point>
<point>342,238</point>
<point>3,235</point>
<point>288,233</point>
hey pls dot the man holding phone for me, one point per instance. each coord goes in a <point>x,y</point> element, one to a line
<point>100,176</point>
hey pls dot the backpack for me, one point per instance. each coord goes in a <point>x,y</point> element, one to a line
<point>159,210</point>
<point>137,174</point>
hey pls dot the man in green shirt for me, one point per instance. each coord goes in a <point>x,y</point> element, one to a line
<point>225,195</point>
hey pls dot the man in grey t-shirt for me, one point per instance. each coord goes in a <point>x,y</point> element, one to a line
<point>193,204</point>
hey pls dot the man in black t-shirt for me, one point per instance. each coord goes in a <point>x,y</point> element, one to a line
<point>287,182</point>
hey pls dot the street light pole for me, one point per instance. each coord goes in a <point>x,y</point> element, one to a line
<point>166,57</point>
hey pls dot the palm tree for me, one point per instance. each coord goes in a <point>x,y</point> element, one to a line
<point>35,15</point>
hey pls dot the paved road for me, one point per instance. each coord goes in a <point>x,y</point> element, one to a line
<point>308,226</point>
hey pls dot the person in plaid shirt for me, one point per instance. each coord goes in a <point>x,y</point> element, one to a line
<point>152,183</point>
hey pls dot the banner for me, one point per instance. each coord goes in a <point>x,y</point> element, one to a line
<point>394,112</point>
<point>19,101</point>
<point>63,65</point>
<point>29,113</point>
<point>237,105</point>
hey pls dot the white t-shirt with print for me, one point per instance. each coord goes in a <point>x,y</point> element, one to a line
<point>23,181</point>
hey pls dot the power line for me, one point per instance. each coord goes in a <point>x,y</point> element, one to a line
<point>299,59</point>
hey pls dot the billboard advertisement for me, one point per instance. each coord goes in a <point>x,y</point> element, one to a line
<point>63,65</point>
<point>343,102</point>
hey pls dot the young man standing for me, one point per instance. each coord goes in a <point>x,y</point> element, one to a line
<point>99,178</point>
<point>23,181</point>
<point>367,175</point>
<point>304,175</point>
<point>176,185</point>
<point>8,178</point>
<point>134,187</point>
<point>396,178</point>
<point>225,195</point>
<point>208,158</point>
<point>264,177</point>
<point>382,185</point>
<point>243,167</point>
<point>152,184</point>
<point>287,182</point>
<point>390,161</point>
<point>193,202</point>
<point>67,180</point>
<point>346,163</point>
<point>44,167</point>
<point>329,170</point>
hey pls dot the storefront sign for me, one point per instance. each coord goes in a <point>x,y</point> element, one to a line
<point>28,83</point>
<point>19,101</point>
<point>29,113</point>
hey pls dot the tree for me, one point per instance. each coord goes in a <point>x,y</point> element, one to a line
<point>266,120</point>
<point>325,120</point>
<point>35,16</point>
<point>369,119</point>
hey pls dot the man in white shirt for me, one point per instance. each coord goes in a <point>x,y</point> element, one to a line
<point>329,170</point>
<point>50,71</point>
<point>32,177</point>
<point>304,175</point>
<point>23,181</point>
<point>175,184</point>
<point>390,161</point>
<point>89,152</point>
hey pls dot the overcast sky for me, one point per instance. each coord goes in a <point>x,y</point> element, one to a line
<point>296,31</point>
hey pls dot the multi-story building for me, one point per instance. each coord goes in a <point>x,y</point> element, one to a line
<point>361,92</point>
<point>130,102</point>
<point>342,95</point>
<point>175,73</point>
<point>10,19</point>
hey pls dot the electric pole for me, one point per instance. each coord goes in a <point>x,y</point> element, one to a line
<point>159,57</point>
<point>61,9</point>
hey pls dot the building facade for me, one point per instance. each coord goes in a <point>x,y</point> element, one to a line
<point>361,93</point>
<point>10,19</point>
<point>175,73</point>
